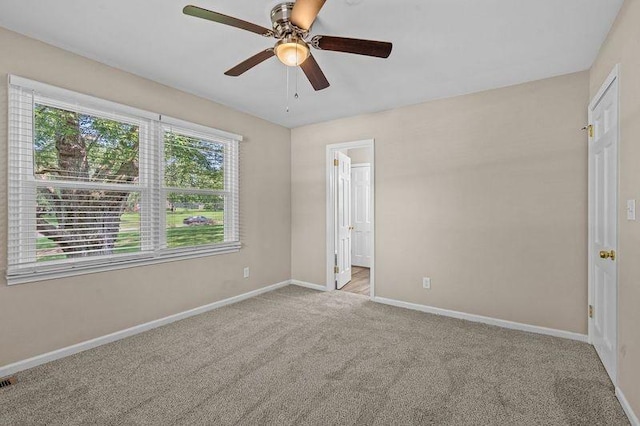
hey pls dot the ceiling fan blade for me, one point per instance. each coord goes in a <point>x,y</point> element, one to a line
<point>314,73</point>
<point>380,49</point>
<point>305,12</point>
<point>199,12</point>
<point>245,66</point>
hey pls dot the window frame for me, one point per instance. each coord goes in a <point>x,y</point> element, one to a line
<point>22,265</point>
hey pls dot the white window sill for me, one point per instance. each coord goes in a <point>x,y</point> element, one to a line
<point>69,270</point>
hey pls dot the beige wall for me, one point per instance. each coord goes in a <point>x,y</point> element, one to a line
<point>484,193</point>
<point>359,155</point>
<point>623,47</point>
<point>39,317</point>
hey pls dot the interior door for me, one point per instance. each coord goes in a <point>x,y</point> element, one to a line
<point>343,220</point>
<point>603,229</point>
<point>361,215</point>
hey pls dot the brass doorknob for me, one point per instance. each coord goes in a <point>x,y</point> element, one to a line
<point>611,254</point>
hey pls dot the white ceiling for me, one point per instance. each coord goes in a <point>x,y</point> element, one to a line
<point>442,48</point>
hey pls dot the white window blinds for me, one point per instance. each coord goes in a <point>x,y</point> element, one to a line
<point>200,177</point>
<point>94,184</point>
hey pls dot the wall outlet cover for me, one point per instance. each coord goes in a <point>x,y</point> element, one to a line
<point>426,282</point>
<point>246,272</point>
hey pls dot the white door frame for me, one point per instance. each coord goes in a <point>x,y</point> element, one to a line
<point>331,208</point>
<point>613,76</point>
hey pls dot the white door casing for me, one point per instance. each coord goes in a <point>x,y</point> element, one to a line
<point>361,215</point>
<point>603,223</point>
<point>343,220</point>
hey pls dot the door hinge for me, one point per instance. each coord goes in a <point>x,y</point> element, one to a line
<point>589,128</point>
<point>335,162</point>
<point>590,311</point>
<point>336,270</point>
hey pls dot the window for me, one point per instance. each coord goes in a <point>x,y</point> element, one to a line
<point>199,181</point>
<point>95,185</point>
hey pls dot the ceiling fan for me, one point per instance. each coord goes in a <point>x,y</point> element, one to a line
<point>291,26</point>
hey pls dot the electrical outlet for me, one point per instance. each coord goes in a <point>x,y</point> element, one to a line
<point>426,282</point>
<point>631,209</point>
<point>246,272</point>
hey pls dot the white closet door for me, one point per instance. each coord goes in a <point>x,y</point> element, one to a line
<point>603,201</point>
<point>361,215</point>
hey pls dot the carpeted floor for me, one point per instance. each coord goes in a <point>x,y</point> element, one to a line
<point>296,356</point>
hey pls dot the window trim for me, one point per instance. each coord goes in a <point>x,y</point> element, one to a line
<point>18,274</point>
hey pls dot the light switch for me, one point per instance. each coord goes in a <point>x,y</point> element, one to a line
<point>631,209</point>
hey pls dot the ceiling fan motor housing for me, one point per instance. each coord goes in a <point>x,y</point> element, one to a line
<point>281,20</point>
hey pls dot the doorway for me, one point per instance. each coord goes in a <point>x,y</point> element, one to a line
<point>603,223</point>
<point>350,217</point>
<point>360,281</point>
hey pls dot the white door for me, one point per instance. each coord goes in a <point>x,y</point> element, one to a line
<point>361,215</point>
<point>343,220</point>
<point>603,225</point>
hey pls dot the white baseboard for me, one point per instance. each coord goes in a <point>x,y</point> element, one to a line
<point>484,320</point>
<point>633,419</point>
<point>79,347</point>
<point>9,369</point>
<point>309,285</point>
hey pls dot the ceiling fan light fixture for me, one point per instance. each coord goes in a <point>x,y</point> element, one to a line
<point>292,51</point>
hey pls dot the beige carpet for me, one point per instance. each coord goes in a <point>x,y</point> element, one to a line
<point>295,356</point>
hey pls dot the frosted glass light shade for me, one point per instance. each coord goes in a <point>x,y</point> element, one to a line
<point>292,52</point>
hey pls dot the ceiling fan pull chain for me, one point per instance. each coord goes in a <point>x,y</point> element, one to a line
<point>286,95</point>
<point>297,73</point>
